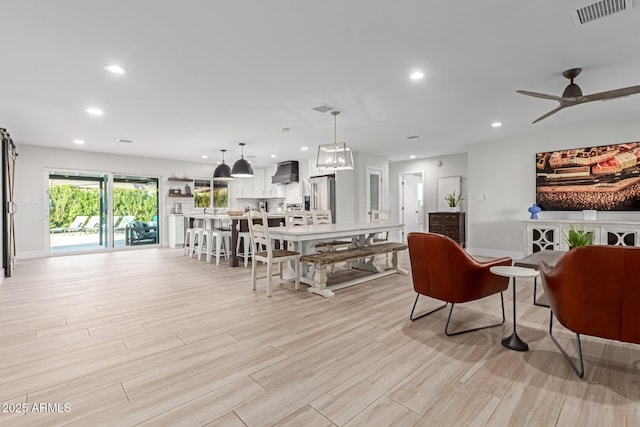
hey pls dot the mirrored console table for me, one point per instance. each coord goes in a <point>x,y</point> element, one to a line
<point>542,234</point>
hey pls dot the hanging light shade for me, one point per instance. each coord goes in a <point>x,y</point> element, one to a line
<point>242,168</point>
<point>337,155</point>
<point>223,171</point>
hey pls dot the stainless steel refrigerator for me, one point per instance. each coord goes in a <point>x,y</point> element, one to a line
<point>321,191</point>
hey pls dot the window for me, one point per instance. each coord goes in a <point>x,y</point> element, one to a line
<point>221,194</point>
<point>202,193</point>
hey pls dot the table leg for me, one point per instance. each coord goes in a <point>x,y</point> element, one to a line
<point>320,282</point>
<point>513,342</point>
<point>233,259</point>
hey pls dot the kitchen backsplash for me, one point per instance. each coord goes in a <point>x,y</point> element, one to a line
<point>293,193</point>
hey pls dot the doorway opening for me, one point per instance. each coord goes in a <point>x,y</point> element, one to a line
<point>411,200</point>
<point>373,190</point>
<point>78,212</point>
<point>99,211</point>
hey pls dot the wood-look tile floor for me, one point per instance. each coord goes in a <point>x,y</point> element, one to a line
<point>154,338</point>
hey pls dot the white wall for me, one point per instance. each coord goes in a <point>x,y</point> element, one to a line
<point>31,226</point>
<point>452,165</point>
<point>505,171</point>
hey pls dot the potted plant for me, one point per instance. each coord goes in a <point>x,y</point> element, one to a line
<point>577,238</point>
<point>453,200</point>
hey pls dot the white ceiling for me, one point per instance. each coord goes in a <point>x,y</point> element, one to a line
<point>205,75</point>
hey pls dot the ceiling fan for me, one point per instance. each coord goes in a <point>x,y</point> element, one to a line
<point>572,94</point>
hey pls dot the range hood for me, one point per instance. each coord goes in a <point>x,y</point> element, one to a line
<point>287,173</point>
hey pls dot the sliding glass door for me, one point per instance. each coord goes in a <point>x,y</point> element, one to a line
<point>135,210</point>
<point>96,211</point>
<point>78,212</point>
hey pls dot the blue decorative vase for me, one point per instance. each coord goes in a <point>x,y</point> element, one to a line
<point>534,209</point>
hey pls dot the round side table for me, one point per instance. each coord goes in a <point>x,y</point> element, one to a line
<point>513,342</point>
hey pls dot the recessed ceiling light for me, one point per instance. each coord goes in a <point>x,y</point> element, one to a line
<point>416,75</point>
<point>219,162</point>
<point>95,111</point>
<point>115,69</point>
<point>78,141</point>
<point>496,124</point>
<point>413,156</point>
<point>204,156</point>
<point>273,156</point>
<point>304,148</point>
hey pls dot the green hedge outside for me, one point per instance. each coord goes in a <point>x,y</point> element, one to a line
<point>67,202</point>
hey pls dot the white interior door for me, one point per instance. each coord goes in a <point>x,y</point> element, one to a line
<point>374,190</point>
<point>411,203</point>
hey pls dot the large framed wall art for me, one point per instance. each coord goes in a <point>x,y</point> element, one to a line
<point>603,178</point>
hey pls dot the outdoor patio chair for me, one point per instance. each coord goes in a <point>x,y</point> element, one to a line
<point>139,233</point>
<point>76,225</point>
<point>126,220</point>
<point>93,224</point>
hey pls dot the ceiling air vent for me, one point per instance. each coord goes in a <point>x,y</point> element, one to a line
<point>126,141</point>
<point>412,137</point>
<point>600,10</point>
<point>324,108</point>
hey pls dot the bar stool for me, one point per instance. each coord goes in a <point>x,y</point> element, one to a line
<point>246,238</point>
<point>192,237</point>
<point>219,238</point>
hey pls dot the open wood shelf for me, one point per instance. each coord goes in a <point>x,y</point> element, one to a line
<point>179,179</point>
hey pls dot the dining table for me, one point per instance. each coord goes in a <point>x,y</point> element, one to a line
<point>305,238</point>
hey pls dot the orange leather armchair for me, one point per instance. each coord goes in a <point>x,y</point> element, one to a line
<point>441,269</point>
<point>595,290</point>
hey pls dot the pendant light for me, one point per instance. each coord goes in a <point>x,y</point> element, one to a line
<point>337,155</point>
<point>242,168</point>
<point>223,171</point>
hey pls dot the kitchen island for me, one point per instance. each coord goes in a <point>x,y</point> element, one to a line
<point>236,223</point>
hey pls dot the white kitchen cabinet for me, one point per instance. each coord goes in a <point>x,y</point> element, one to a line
<point>241,188</point>
<point>258,183</point>
<point>176,230</point>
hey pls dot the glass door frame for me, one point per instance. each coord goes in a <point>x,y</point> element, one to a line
<point>107,192</point>
<point>110,235</point>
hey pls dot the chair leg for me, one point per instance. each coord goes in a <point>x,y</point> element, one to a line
<point>254,273</point>
<point>209,248</point>
<point>535,291</point>
<point>247,251</point>
<point>425,314</point>
<point>579,372</point>
<point>226,245</point>
<point>204,238</point>
<point>218,249</point>
<point>269,278</point>
<point>450,334</point>
<point>187,243</point>
<point>297,274</point>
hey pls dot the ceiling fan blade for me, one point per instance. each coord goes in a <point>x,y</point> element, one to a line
<point>541,95</point>
<point>611,94</point>
<point>548,114</point>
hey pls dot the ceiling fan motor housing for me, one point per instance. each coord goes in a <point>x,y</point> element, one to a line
<point>572,91</point>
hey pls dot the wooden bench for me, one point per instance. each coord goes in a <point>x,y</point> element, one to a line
<point>323,259</point>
